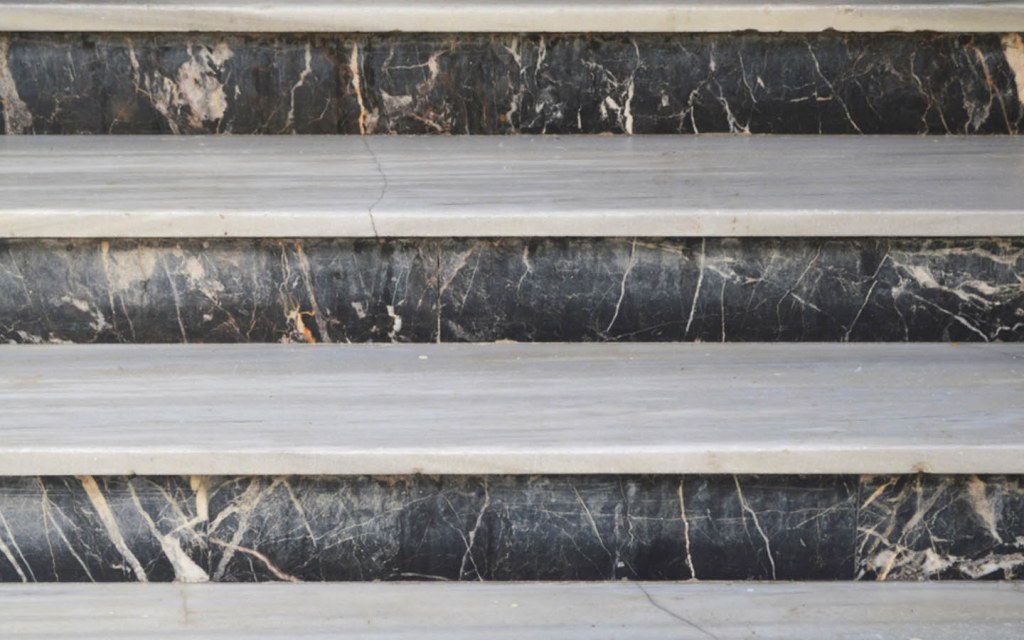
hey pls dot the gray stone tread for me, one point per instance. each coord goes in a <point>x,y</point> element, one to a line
<point>504,16</point>
<point>468,186</point>
<point>511,409</point>
<point>793,611</point>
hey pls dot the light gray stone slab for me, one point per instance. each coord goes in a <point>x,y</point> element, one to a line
<point>150,186</point>
<point>163,186</point>
<point>794,611</point>
<point>502,15</point>
<point>511,409</point>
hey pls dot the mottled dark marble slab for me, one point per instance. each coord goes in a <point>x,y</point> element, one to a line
<point>244,529</point>
<point>512,289</point>
<point>217,291</point>
<point>546,528</point>
<point>733,290</point>
<point>103,529</point>
<point>941,527</point>
<point>504,83</point>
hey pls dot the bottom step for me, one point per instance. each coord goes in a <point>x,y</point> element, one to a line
<point>569,610</point>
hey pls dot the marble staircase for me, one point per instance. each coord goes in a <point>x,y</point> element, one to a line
<point>709,327</point>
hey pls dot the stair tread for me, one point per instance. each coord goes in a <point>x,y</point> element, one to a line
<point>511,409</point>
<point>523,15</point>
<point>157,186</point>
<point>880,611</point>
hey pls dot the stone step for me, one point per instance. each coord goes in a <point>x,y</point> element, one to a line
<point>105,187</point>
<point>617,610</point>
<point>512,409</point>
<point>529,16</point>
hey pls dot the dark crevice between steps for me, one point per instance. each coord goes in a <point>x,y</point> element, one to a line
<point>500,528</point>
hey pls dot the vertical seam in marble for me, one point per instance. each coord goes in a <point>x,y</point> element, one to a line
<point>697,288</point>
<point>176,298</point>
<point>357,85</point>
<point>6,551</point>
<point>867,297</point>
<point>47,518</point>
<point>470,537</point>
<point>106,515</point>
<point>686,532</point>
<point>439,247</point>
<point>757,525</point>
<point>307,278</point>
<point>834,94</point>
<point>305,73</point>
<point>857,508</point>
<point>593,523</point>
<point>622,285</point>
<point>14,543</point>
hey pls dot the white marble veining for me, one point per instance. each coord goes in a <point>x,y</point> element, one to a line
<point>504,16</point>
<point>511,408</point>
<point>634,610</point>
<point>150,186</point>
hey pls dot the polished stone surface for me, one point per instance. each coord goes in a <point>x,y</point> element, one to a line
<point>521,186</point>
<point>218,291</point>
<point>506,83</point>
<point>96,529</point>
<point>501,528</point>
<point>521,528</point>
<point>929,527</point>
<point>724,290</point>
<point>511,408</point>
<point>518,16</point>
<point>511,611</point>
<point>543,290</point>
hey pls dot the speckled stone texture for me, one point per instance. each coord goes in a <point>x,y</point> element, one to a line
<point>524,290</point>
<point>242,529</point>
<point>503,84</point>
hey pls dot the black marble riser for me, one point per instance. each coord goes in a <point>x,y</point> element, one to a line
<point>482,290</point>
<point>506,83</point>
<point>243,529</point>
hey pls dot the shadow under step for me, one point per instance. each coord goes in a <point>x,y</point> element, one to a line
<point>512,409</point>
<point>569,610</point>
<point>105,187</point>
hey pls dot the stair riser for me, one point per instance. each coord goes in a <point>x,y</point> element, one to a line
<point>512,289</point>
<point>243,529</point>
<point>504,83</point>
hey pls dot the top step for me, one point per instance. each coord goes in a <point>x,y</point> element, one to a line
<point>505,16</point>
